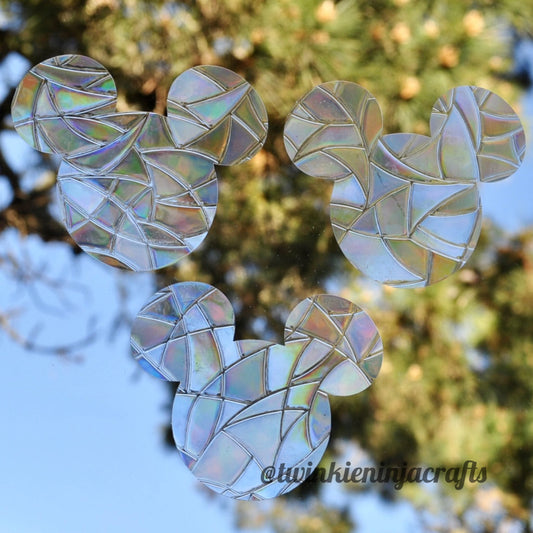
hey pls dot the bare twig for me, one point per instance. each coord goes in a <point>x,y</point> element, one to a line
<point>30,343</point>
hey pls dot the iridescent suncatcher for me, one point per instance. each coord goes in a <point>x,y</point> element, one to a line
<point>244,406</point>
<point>138,190</point>
<point>405,208</point>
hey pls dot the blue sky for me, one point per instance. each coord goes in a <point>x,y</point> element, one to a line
<point>508,202</point>
<point>81,447</point>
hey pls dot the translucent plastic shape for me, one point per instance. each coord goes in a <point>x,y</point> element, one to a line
<point>405,208</point>
<point>243,406</point>
<point>138,190</point>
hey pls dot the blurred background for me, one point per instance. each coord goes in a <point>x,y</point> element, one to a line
<point>85,443</point>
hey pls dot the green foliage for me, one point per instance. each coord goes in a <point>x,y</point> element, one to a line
<point>309,516</point>
<point>457,381</point>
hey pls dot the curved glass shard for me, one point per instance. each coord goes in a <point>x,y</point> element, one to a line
<point>138,202</point>
<point>56,101</point>
<point>405,208</point>
<point>138,190</point>
<point>217,113</point>
<point>243,406</point>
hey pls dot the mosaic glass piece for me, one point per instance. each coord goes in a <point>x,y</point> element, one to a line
<point>243,406</point>
<point>57,105</point>
<point>217,113</point>
<point>405,208</point>
<point>138,190</point>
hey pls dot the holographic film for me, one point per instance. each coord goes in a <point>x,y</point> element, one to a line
<point>138,190</point>
<point>243,406</point>
<point>405,208</point>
